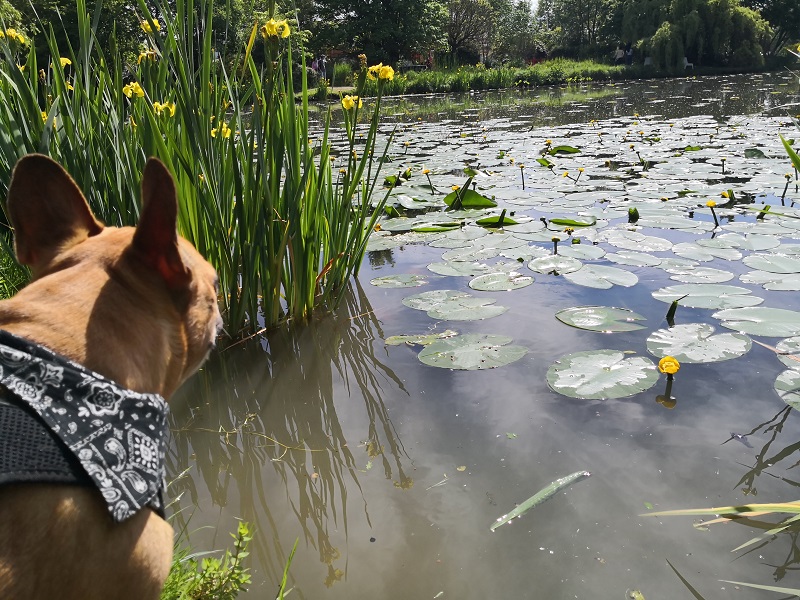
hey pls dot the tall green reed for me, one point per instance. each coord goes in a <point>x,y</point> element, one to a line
<point>257,196</point>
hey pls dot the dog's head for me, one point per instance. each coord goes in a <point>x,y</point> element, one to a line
<point>136,304</point>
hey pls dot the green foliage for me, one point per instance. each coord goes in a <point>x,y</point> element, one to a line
<point>707,32</point>
<point>258,198</point>
<point>191,578</point>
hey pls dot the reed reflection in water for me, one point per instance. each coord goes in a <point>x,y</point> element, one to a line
<point>235,419</point>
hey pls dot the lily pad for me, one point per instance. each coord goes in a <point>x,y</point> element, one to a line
<point>773,263</point>
<point>695,343</point>
<point>470,199</point>
<point>400,281</point>
<point>773,281</point>
<point>600,374</point>
<point>582,251</point>
<point>422,339</point>
<point>761,320</point>
<point>472,352</point>
<point>555,264</point>
<point>789,352</point>
<point>450,305</point>
<point>787,385</point>
<point>708,295</point>
<point>500,282</point>
<point>602,277</point>
<point>701,275</point>
<point>459,269</point>
<point>601,318</point>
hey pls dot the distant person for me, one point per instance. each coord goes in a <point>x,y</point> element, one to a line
<point>315,65</point>
<point>629,56</point>
<point>619,55</point>
<point>323,66</point>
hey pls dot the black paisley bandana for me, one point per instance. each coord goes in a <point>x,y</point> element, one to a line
<point>118,435</point>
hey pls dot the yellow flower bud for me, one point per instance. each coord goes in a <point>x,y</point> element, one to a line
<point>669,365</point>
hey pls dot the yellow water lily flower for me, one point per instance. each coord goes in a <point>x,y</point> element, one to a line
<point>711,204</point>
<point>669,365</point>
<point>133,89</point>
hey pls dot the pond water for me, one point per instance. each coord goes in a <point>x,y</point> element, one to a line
<point>390,472</point>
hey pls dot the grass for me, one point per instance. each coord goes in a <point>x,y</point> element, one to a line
<point>258,197</point>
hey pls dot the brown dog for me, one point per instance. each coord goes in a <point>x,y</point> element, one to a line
<point>135,305</point>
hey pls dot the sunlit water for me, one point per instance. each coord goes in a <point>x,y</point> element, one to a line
<point>390,472</point>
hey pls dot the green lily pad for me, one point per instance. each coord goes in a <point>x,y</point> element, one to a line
<point>450,305</point>
<point>500,282</point>
<point>634,259</point>
<point>422,339</point>
<point>708,295</point>
<point>601,318</point>
<point>787,385</point>
<point>700,275</point>
<point>773,281</point>
<point>773,263</point>
<point>400,281</point>
<point>582,251</point>
<point>602,277</point>
<point>789,352</point>
<point>472,352</point>
<point>695,343</point>
<point>761,320</point>
<point>600,374</point>
<point>555,264</point>
<point>470,199</point>
<point>696,251</point>
<point>459,268</point>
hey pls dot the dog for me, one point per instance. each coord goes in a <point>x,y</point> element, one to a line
<point>129,314</point>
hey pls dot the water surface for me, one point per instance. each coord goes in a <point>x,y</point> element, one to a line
<point>390,472</point>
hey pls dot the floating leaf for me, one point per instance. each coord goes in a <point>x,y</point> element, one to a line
<point>773,281</point>
<point>634,259</point>
<point>788,351</point>
<point>500,282</point>
<point>587,222</point>
<point>450,305</point>
<point>470,199</point>
<point>555,264</point>
<point>787,385</point>
<point>459,268</point>
<point>422,339</point>
<point>599,374</point>
<point>754,153</point>
<point>761,320</point>
<point>708,295</point>
<point>471,352</point>
<point>694,343</point>
<point>773,263</point>
<point>696,251</point>
<point>563,149</point>
<point>602,277</point>
<point>601,318</point>
<point>400,281</point>
<point>582,251</point>
<point>700,275</point>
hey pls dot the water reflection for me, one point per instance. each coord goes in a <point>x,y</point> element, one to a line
<point>274,401</point>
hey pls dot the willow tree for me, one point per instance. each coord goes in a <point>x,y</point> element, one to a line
<point>712,32</point>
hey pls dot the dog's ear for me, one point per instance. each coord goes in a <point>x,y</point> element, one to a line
<point>47,211</point>
<point>156,236</point>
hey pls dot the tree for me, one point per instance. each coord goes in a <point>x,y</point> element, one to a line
<point>583,24</point>
<point>784,18</point>
<point>383,30</point>
<point>470,26</point>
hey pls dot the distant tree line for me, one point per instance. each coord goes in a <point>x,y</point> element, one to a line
<point>736,33</point>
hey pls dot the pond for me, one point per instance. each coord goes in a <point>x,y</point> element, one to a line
<point>391,471</point>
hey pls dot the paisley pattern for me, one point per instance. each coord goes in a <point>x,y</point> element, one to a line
<point>118,435</point>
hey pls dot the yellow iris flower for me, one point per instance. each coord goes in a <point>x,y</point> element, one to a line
<point>147,28</point>
<point>273,28</point>
<point>160,107</point>
<point>222,130</point>
<point>349,102</point>
<point>133,89</point>
<point>386,72</point>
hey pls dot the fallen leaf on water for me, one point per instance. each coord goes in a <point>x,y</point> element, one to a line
<point>511,436</point>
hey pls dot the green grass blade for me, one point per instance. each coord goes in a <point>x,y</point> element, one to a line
<point>688,585</point>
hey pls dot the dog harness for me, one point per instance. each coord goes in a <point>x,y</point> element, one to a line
<point>62,423</point>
